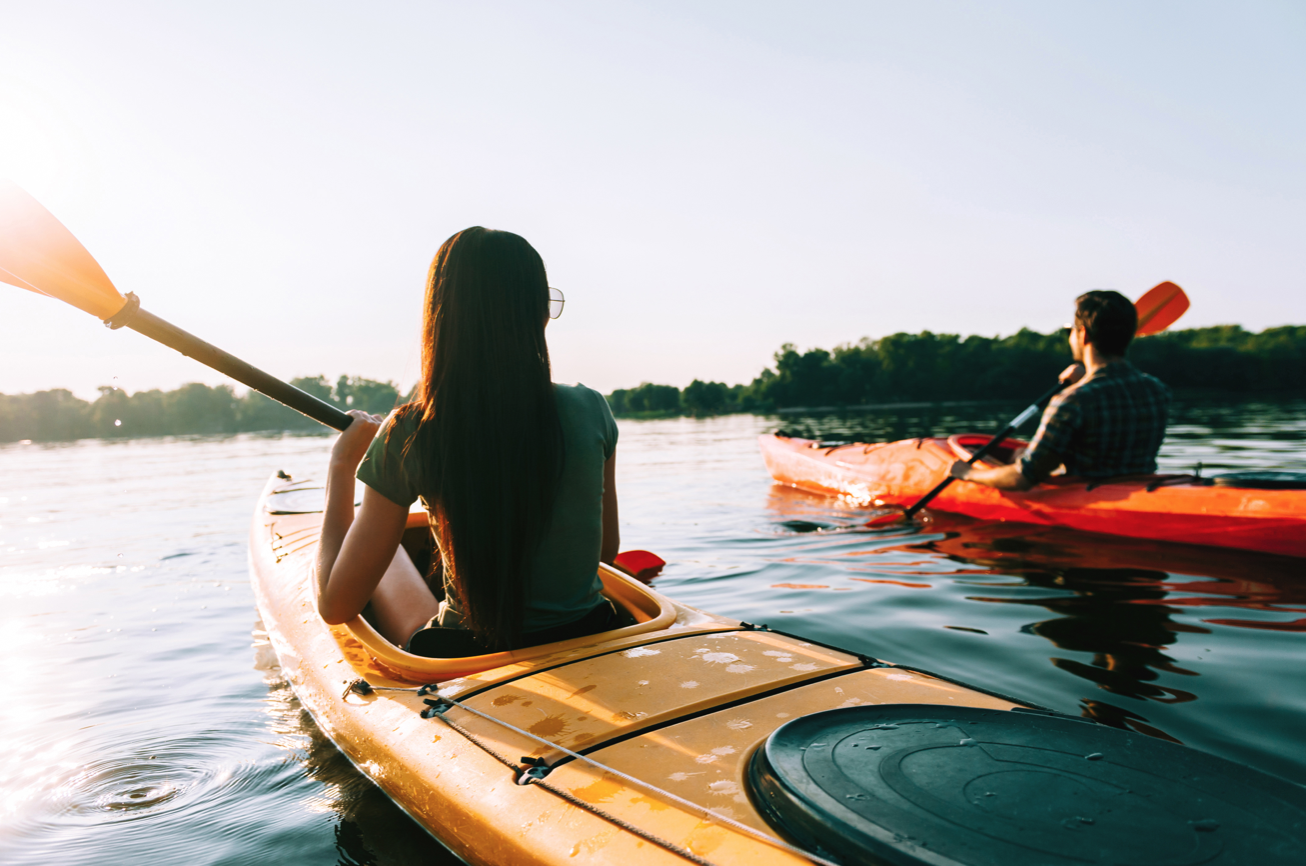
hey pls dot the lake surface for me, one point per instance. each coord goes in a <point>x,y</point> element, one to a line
<point>145,718</point>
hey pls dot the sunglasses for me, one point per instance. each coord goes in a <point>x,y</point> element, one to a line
<point>556,300</point>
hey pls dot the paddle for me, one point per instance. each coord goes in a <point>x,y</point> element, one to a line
<point>1158,309</point>
<point>642,565</point>
<point>38,254</point>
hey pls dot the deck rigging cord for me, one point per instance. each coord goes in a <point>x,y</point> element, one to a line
<point>534,771</point>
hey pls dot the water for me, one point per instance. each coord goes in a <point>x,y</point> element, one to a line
<point>145,719</point>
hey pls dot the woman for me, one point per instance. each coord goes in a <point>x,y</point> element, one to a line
<point>517,474</point>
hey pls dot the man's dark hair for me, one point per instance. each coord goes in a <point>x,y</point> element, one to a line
<point>1109,319</point>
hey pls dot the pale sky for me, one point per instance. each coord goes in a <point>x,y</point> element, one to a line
<point>705,180</point>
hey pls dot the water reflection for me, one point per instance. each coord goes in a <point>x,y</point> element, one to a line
<point>369,827</point>
<point>123,565</point>
<point>1119,606</point>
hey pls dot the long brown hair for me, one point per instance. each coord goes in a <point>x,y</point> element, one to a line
<point>490,437</point>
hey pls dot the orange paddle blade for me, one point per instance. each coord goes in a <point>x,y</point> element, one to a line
<point>38,254</point>
<point>1160,308</point>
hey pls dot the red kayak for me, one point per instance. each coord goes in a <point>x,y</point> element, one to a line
<point>1180,508</point>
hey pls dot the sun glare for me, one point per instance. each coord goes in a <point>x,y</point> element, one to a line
<point>41,148</point>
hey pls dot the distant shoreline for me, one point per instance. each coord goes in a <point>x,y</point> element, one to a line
<point>304,427</point>
<point>902,371</point>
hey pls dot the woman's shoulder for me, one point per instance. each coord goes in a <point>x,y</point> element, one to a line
<point>578,394</point>
<point>404,419</point>
<point>584,408</point>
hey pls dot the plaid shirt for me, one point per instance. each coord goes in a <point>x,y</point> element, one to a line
<point>1110,423</point>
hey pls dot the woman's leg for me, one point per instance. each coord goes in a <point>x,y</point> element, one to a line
<point>402,602</point>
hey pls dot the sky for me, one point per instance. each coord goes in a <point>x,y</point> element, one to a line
<point>705,180</point>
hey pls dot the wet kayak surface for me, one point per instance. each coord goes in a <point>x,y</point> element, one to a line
<point>146,718</point>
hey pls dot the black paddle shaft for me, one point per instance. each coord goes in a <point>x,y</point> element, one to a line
<point>1033,409</point>
<point>209,355</point>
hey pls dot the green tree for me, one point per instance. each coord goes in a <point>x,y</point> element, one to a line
<point>197,408</point>
<point>355,392</point>
<point>44,416</point>
<point>318,386</point>
<point>649,399</point>
<point>706,398</point>
<point>617,401</point>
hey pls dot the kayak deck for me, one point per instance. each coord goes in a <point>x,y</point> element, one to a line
<point>1157,507</point>
<point>681,704</point>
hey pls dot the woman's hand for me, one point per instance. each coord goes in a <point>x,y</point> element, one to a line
<point>353,443</point>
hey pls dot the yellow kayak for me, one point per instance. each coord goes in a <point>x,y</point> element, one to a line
<point>681,736</point>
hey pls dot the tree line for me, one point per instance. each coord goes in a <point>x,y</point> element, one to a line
<point>933,367</point>
<point>898,368</point>
<point>194,408</point>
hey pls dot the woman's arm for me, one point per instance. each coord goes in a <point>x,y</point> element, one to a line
<point>611,527</point>
<point>354,553</point>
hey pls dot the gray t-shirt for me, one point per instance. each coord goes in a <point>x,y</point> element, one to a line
<point>564,574</point>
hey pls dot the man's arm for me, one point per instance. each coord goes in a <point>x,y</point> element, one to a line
<point>1040,459</point>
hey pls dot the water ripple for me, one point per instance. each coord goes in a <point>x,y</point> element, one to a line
<point>151,778</point>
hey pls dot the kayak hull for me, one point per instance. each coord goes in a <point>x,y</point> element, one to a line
<point>1160,508</point>
<point>682,703</point>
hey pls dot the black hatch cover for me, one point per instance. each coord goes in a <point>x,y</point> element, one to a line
<point>913,784</point>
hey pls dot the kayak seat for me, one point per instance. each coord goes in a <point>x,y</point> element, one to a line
<point>434,642</point>
<point>639,611</point>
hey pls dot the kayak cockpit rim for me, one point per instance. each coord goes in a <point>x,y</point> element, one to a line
<point>650,611</point>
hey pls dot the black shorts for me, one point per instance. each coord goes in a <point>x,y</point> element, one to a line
<point>453,643</point>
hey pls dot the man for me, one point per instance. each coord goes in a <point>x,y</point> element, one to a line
<point>1109,422</point>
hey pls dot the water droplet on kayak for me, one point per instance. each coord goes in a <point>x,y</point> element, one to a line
<point>969,741</point>
<point>1096,756</point>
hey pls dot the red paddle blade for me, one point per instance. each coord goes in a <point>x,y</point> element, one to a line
<point>639,564</point>
<point>38,254</point>
<point>1160,308</point>
<point>886,515</point>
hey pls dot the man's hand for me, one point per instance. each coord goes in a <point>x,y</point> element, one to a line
<point>1001,477</point>
<point>1072,374</point>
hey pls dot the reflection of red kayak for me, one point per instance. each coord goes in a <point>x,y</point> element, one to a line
<point>1160,507</point>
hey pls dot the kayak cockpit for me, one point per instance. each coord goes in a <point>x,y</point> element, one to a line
<point>640,611</point>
